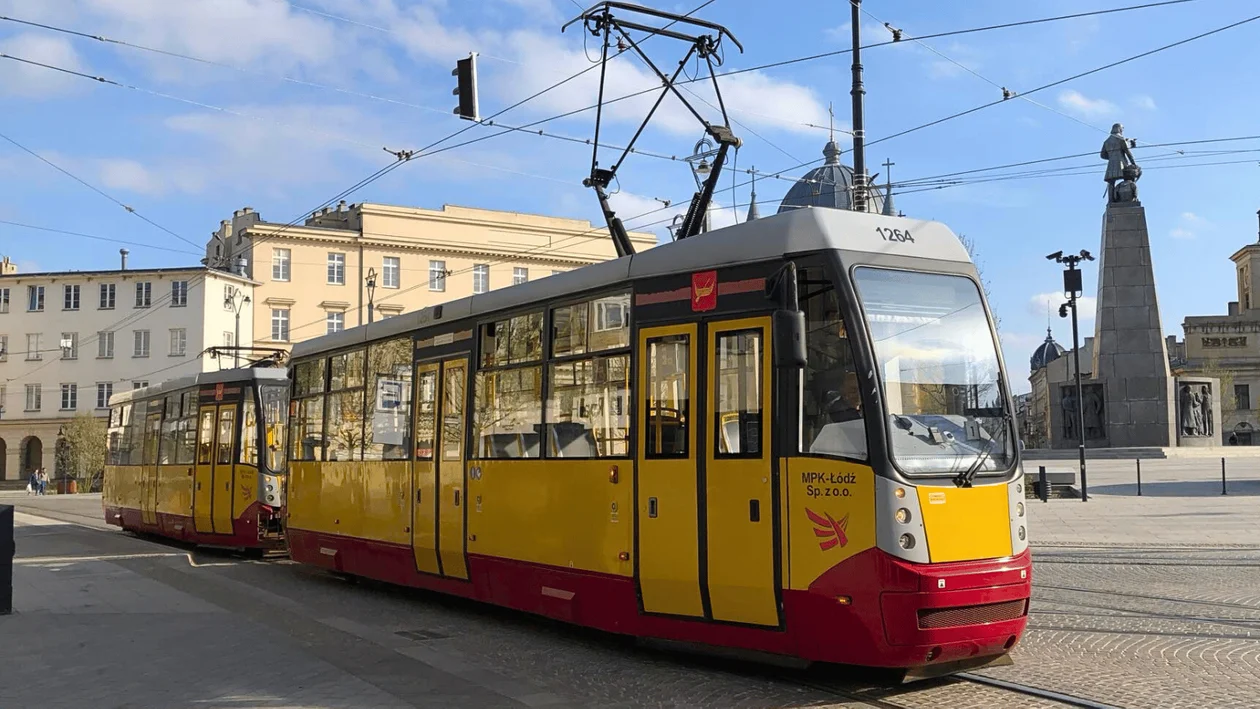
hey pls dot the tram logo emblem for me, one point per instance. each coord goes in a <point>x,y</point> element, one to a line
<point>218,391</point>
<point>704,291</point>
<point>830,533</point>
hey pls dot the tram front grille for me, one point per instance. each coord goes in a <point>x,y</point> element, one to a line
<point>930,618</point>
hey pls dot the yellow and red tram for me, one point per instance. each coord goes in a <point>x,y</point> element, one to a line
<point>201,459</point>
<point>792,435</point>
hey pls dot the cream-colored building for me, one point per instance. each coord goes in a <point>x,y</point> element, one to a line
<point>68,340</point>
<point>314,278</point>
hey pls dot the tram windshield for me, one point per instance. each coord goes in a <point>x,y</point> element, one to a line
<point>275,404</point>
<point>938,360</point>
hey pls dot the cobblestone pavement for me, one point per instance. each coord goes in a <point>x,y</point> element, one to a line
<point>1132,626</point>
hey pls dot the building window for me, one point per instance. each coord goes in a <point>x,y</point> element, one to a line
<point>228,339</point>
<point>336,322</point>
<point>69,345</point>
<point>35,299</point>
<point>4,300</point>
<point>104,390</point>
<point>142,344</point>
<point>105,344</point>
<point>336,268</point>
<point>1242,397</point>
<point>70,297</point>
<point>109,291</point>
<point>280,264</point>
<point>179,294</point>
<point>520,275</point>
<point>437,276</point>
<point>4,349</point>
<point>139,385</point>
<point>34,397</point>
<point>69,397</point>
<point>144,294</point>
<point>32,346</point>
<point>179,341</point>
<point>280,324</point>
<point>391,270</point>
<point>481,278</point>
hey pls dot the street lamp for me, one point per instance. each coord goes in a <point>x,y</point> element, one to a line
<point>371,288</point>
<point>1072,290</point>
<point>234,301</point>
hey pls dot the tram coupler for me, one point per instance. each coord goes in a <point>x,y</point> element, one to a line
<point>944,669</point>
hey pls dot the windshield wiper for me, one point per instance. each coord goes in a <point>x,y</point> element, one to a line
<point>964,479</point>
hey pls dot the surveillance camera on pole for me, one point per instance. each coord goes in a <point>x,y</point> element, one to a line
<point>465,74</point>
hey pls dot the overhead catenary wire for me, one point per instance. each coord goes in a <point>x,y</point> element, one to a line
<point>96,237</point>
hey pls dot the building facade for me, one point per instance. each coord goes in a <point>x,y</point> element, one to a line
<point>349,264</point>
<point>68,340</point>
<point>1227,347</point>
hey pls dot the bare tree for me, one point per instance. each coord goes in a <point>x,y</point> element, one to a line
<point>974,252</point>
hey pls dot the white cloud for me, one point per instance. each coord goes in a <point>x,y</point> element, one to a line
<point>1179,233</point>
<point>132,176</point>
<point>1193,218</point>
<point>1144,102</point>
<point>1039,304</point>
<point>1189,226</point>
<point>1085,107</point>
<point>28,81</point>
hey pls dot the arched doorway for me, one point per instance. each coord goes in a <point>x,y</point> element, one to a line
<point>32,455</point>
<point>1243,434</point>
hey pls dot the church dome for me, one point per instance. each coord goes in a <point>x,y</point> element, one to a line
<point>1046,353</point>
<point>831,186</point>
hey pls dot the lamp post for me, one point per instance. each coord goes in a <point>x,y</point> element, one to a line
<point>1072,290</point>
<point>234,301</point>
<point>371,288</point>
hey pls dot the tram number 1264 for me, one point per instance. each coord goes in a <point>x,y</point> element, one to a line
<point>894,235</point>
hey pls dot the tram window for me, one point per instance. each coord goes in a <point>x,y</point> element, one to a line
<point>453,413</point>
<point>275,408</point>
<point>568,330</point>
<point>831,416</point>
<point>668,396</point>
<point>205,442</point>
<point>583,418</point>
<point>388,435</point>
<point>249,431</point>
<point>426,413</point>
<point>344,424</point>
<point>592,326</point>
<point>737,414</point>
<point>170,440</point>
<point>133,436</point>
<point>152,432</point>
<point>186,440</point>
<point>508,413</point>
<point>119,451</point>
<point>308,378</point>
<point>512,341</point>
<point>307,436</point>
<point>346,371</point>
<point>227,417</point>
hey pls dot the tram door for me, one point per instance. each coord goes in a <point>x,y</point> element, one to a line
<point>668,493</point>
<point>223,474</point>
<point>424,530</point>
<point>149,470</point>
<point>739,507</point>
<point>438,522</point>
<point>203,477</point>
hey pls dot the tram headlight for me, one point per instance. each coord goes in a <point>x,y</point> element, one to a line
<point>903,515</point>
<point>906,541</point>
<point>1019,488</point>
<point>1022,534</point>
<point>1019,509</point>
<point>900,492</point>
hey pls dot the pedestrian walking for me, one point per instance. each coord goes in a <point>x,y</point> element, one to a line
<point>32,483</point>
<point>43,482</point>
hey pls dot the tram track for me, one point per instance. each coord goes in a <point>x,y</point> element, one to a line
<point>964,688</point>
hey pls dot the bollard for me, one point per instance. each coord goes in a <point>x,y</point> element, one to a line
<point>1223,476</point>
<point>7,550</point>
<point>1044,491</point>
<point>1139,466</point>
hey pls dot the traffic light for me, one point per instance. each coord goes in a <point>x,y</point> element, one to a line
<point>466,88</point>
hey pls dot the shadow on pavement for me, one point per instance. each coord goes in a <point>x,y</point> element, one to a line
<point>1181,488</point>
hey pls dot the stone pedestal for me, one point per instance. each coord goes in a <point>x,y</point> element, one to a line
<point>1130,354</point>
<point>1198,421</point>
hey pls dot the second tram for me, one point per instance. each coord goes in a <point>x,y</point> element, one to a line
<point>792,435</point>
<point>201,459</point>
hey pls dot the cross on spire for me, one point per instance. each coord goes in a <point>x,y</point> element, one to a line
<point>831,113</point>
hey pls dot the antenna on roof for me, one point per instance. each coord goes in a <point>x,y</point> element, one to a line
<point>601,21</point>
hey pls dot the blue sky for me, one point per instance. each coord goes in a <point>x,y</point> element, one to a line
<point>283,148</point>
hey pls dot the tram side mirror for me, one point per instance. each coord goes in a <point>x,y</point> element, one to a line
<point>789,339</point>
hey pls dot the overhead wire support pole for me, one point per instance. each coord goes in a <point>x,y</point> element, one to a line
<point>859,120</point>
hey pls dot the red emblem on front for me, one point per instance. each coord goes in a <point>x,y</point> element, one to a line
<point>704,291</point>
<point>830,532</point>
<point>218,392</point>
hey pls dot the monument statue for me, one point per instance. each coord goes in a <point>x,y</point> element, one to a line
<point>1207,411</point>
<point>1192,418</point>
<point>1115,150</point>
<point>1094,420</point>
<point>1068,404</point>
